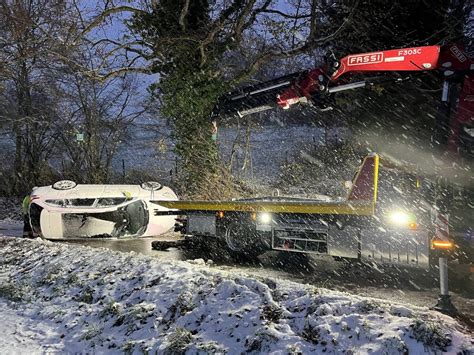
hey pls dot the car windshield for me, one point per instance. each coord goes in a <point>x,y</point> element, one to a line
<point>87,202</point>
<point>128,221</point>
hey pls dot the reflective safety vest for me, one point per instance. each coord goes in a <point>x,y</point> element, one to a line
<point>25,205</point>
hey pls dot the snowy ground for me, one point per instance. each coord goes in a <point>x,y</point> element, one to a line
<point>56,297</point>
<point>10,209</point>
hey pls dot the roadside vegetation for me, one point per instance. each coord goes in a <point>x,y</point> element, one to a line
<point>75,76</point>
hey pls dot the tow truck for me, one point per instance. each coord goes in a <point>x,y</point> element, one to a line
<point>351,227</point>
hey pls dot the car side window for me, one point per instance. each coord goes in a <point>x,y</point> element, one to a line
<point>56,203</point>
<point>110,201</point>
<point>80,202</point>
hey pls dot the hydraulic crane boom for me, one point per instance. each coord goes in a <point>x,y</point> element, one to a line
<point>316,85</point>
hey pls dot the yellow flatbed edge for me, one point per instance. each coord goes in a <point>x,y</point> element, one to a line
<point>360,208</point>
<point>360,201</point>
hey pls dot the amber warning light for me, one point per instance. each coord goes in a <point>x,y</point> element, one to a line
<point>412,226</point>
<point>441,244</point>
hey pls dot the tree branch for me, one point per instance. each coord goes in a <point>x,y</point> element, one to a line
<point>312,28</point>
<point>323,40</point>
<point>217,26</point>
<point>127,46</point>
<point>240,23</point>
<point>282,14</point>
<point>310,44</point>
<point>182,15</point>
<point>101,17</point>
<point>120,71</point>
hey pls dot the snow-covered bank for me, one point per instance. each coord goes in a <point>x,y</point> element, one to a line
<point>73,298</point>
<point>10,209</point>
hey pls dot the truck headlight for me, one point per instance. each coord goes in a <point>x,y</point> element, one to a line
<point>402,219</point>
<point>399,218</point>
<point>264,218</point>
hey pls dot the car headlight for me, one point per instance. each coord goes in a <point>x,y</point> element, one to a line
<point>402,219</point>
<point>264,218</point>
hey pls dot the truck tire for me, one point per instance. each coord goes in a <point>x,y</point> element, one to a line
<point>205,247</point>
<point>242,242</point>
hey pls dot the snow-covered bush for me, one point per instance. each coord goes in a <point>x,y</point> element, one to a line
<point>178,341</point>
<point>431,334</point>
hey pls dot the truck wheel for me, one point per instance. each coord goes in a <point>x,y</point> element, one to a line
<point>64,185</point>
<point>241,242</point>
<point>206,248</point>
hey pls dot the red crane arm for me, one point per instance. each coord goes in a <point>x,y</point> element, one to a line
<point>403,59</point>
<point>319,80</point>
<point>316,84</point>
<point>451,60</point>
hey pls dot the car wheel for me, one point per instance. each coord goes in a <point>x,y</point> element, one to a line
<point>64,185</point>
<point>151,186</point>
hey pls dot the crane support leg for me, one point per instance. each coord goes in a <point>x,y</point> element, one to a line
<point>444,304</point>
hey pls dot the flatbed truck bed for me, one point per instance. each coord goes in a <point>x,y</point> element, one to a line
<point>361,208</point>
<point>340,228</point>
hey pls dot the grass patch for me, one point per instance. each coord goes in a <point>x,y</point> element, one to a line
<point>395,345</point>
<point>271,313</point>
<point>111,309</point>
<point>178,341</point>
<point>87,295</point>
<point>430,334</point>
<point>137,313</point>
<point>92,331</point>
<point>258,343</point>
<point>368,306</point>
<point>15,291</point>
<point>185,303</point>
<point>72,280</point>
<point>311,334</point>
<point>128,347</point>
<point>211,347</point>
<point>51,275</point>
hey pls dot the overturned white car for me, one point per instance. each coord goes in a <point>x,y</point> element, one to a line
<point>66,210</point>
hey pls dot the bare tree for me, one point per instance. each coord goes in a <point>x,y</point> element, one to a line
<point>34,36</point>
<point>96,118</point>
<point>50,93</point>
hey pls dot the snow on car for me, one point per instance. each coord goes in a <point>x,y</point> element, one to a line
<point>66,210</point>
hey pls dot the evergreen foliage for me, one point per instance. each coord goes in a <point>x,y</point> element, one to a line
<point>188,86</point>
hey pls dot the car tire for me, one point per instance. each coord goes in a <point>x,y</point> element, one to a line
<point>64,185</point>
<point>151,186</point>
